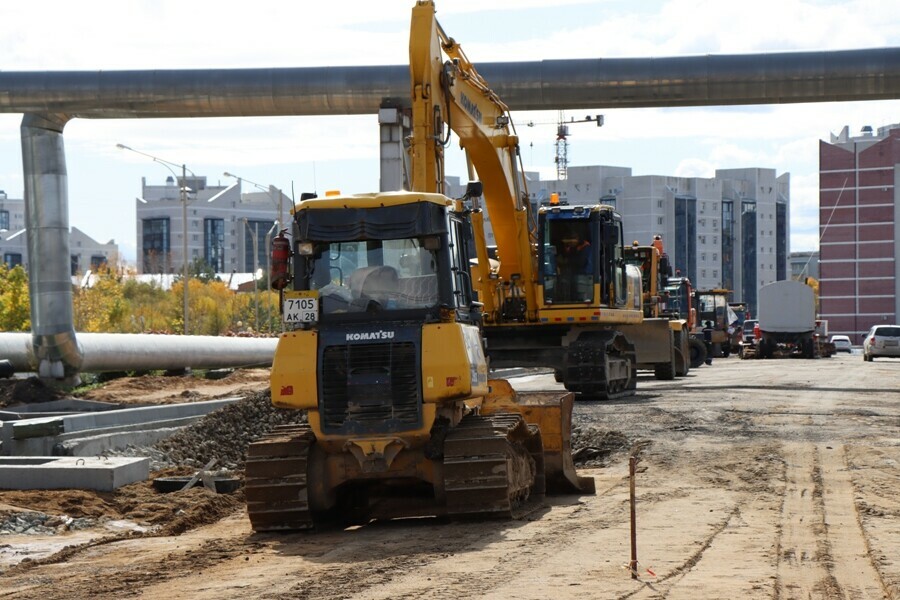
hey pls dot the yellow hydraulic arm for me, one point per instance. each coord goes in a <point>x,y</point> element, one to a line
<point>453,92</point>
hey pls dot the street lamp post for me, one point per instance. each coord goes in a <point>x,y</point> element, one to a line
<point>269,233</point>
<point>184,235</point>
<point>254,235</point>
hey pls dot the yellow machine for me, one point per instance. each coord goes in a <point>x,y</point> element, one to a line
<point>383,350</point>
<point>558,291</point>
<point>667,355</point>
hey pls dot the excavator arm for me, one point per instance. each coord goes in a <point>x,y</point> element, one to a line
<point>451,92</point>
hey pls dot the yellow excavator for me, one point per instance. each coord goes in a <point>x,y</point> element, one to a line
<point>558,292</point>
<point>383,345</point>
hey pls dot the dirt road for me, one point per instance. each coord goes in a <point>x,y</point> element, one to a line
<point>761,479</point>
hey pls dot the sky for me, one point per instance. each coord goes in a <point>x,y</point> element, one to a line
<point>321,153</point>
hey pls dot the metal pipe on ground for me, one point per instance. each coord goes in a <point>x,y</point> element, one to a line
<point>104,352</point>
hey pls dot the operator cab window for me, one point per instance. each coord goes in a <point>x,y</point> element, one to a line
<point>569,260</point>
<point>375,275</point>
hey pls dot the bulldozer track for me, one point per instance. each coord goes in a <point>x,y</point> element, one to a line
<point>489,470</point>
<point>275,480</point>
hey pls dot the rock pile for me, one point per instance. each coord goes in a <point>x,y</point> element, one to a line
<point>38,523</point>
<point>224,434</point>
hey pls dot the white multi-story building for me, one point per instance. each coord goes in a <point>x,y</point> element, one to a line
<point>223,226</point>
<point>730,231</point>
<point>85,252</point>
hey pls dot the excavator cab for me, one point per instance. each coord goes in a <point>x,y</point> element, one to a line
<point>581,256</point>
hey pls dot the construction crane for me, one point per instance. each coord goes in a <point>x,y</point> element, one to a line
<point>562,139</point>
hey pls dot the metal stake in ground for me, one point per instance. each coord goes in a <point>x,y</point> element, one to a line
<point>632,463</point>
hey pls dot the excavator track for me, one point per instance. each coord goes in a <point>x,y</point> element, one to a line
<point>492,466</point>
<point>275,480</point>
<point>601,366</point>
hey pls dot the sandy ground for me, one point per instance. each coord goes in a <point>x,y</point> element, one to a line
<point>757,479</point>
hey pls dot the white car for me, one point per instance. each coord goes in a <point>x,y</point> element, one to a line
<point>882,340</point>
<point>841,343</point>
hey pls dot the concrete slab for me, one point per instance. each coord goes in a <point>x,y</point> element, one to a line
<point>13,434</point>
<point>56,408</point>
<point>67,472</point>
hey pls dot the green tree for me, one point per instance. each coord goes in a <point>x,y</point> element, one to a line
<point>202,270</point>
<point>148,306</point>
<point>15,304</point>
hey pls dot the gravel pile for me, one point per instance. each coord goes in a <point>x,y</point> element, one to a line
<point>38,523</point>
<point>223,434</point>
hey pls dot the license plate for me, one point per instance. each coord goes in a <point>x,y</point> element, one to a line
<point>892,343</point>
<point>301,307</point>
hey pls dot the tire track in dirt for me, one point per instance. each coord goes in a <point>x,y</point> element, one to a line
<point>851,565</point>
<point>803,551</point>
<point>822,549</point>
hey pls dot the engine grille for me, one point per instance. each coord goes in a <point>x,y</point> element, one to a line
<point>370,387</point>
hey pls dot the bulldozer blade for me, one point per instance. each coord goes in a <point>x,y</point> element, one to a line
<point>552,413</point>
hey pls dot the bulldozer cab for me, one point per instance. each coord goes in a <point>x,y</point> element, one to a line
<point>581,256</point>
<point>403,260</point>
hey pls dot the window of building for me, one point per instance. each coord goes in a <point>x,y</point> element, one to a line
<point>659,220</point>
<point>728,244</point>
<point>97,261</point>
<point>702,239</point>
<point>659,204</point>
<point>4,219</point>
<point>12,259</point>
<point>703,273</point>
<point>73,263</point>
<point>214,243</point>
<point>155,250</point>
<point>715,256</point>
<point>715,273</point>
<point>702,222</point>
<point>703,256</point>
<point>749,240</point>
<point>685,226</point>
<point>715,223</point>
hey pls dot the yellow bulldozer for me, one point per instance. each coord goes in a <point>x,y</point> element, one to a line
<point>384,351</point>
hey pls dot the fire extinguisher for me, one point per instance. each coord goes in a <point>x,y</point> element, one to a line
<point>281,258</point>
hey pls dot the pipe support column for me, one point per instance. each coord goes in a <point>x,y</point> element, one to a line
<point>56,349</point>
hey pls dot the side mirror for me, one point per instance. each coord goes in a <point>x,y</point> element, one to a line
<point>474,189</point>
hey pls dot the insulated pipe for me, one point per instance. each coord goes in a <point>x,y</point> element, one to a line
<point>770,78</point>
<point>56,351</point>
<point>135,352</point>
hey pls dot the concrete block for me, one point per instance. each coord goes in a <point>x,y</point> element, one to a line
<point>39,436</point>
<point>66,472</point>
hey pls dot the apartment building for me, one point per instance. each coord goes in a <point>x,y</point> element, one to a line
<point>859,203</point>
<point>85,252</point>
<point>226,228</point>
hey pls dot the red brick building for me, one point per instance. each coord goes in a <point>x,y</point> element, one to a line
<point>859,254</point>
